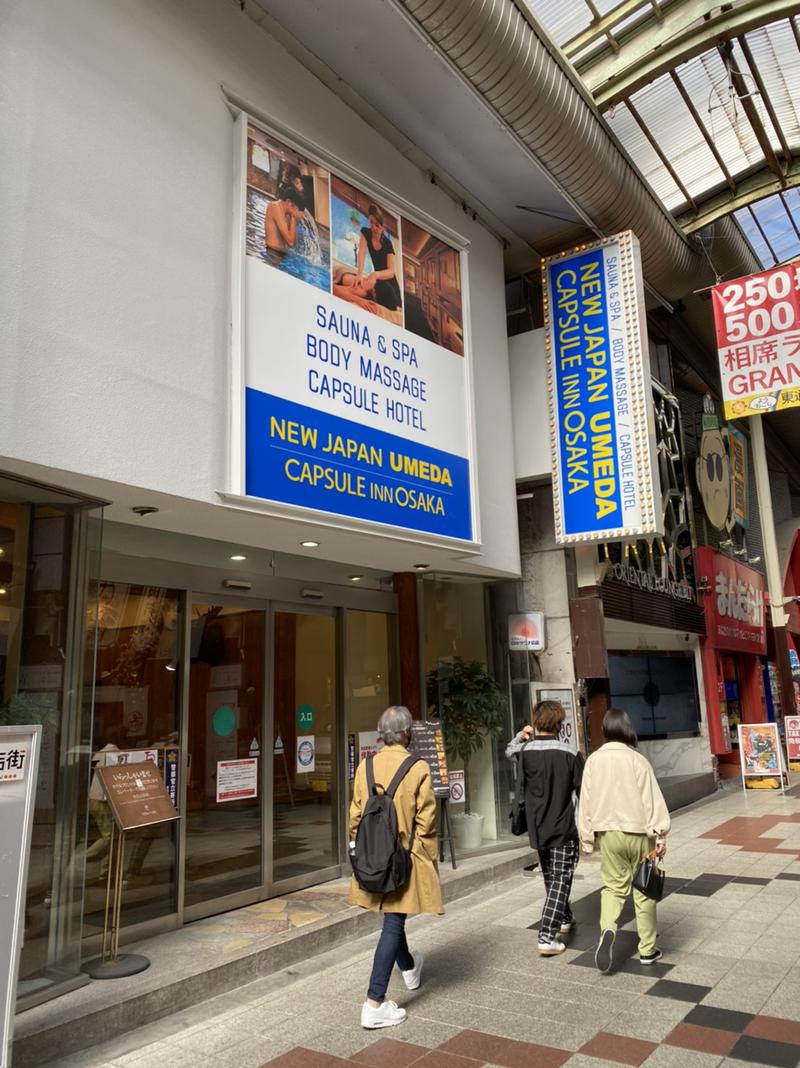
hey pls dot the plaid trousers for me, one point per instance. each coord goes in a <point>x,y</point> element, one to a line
<point>558,867</point>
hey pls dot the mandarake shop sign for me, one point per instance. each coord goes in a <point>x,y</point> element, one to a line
<point>646,580</point>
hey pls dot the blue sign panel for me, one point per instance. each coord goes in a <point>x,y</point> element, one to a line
<point>602,430</point>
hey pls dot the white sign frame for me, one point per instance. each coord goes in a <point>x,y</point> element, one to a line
<point>781,773</point>
<point>565,695</point>
<point>245,114</point>
<point>15,846</point>
<point>529,645</point>
<point>620,381</point>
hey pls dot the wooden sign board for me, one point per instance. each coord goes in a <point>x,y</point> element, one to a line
<point>427,741</point>
<point>137,795</point>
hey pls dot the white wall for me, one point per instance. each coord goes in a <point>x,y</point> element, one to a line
<point>115,198</point>
<point>529,412</point>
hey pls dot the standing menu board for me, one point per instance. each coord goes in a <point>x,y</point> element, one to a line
<point>137,795</point>
<point>427,741</point>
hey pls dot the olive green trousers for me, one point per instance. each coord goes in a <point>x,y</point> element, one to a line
<point>620,855</point>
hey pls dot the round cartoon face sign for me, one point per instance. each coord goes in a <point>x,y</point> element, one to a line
<point>714,477</point>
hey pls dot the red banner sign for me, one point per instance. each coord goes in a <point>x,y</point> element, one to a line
<point>757,320</point>
<point>734,605</point>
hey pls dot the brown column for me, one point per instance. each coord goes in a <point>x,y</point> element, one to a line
<point>405,587</point>
<point>784,666</point>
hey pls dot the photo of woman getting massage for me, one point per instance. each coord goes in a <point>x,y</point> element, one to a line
<point>366,252</point>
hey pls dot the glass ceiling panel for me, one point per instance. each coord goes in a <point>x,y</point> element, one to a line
<point>775,214</point>
<point>562,19</point>
<point>644,156</point>
<point>778,60</point>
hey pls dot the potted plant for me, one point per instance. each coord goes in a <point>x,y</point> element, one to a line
<point>470,705</point>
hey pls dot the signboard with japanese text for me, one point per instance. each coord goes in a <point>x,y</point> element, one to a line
<point>369,743</point>
<point>355,375</point>
<point>792,727</point>
<point>427,741</point>
<point>602,428</point>
<point>137,795</point>
<point>740,494</point>
<point>19,749</point>
<point>566,698</point>
<point>457,794</point>
<point>757,321</point>
<point>237,779</point>
<point>526,632</point>
<point>760,751</point>
<point>734,605</point>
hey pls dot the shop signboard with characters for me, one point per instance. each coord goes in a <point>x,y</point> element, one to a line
<point>352,379</point>
<point>735,611</point>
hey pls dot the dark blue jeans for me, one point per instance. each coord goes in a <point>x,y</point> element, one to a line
<point>392,949</point>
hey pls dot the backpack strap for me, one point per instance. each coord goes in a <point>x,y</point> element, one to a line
<point>397,778</point>
<point>370,776</point>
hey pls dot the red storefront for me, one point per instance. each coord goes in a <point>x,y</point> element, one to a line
<point>734,648</point>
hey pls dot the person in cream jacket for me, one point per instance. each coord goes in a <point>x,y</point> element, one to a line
<point>623,812</point>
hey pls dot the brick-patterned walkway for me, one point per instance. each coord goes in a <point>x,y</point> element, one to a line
<point>727,991</point>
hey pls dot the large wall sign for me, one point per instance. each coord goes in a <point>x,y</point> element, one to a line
<point>605,479</point>
<point>734,605</point>
<point>356,378</point>
<point>757,320</point>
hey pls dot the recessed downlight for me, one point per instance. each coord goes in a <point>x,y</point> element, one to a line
<point>421,567</point>
<point>310,544</point>
<point>238,557</point>
<point>355,578</point>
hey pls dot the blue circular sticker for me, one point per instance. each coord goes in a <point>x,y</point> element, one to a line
<point>224,721</point>
<point>305,754</point>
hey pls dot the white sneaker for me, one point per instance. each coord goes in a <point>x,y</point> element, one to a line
<point>566,928</point>
<point>386,1015</point>
<point>413,977</point>
<point>551,949</point>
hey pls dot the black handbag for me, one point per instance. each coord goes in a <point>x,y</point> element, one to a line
<point>649,877</point>
<point>519,817</point>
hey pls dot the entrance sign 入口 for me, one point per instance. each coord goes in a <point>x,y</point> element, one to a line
<point>757,321</point>
<point>760,751</point>
<point>602,427</point>
<point>353,395</point>
<point>526,632</point>
<point>19,759</point>
<point>237,779</point>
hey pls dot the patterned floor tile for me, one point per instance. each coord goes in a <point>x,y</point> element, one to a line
<point>619,1048</point>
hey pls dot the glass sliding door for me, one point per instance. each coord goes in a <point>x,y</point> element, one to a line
<point>371,679</point>
<point>305,746</point>
<point>223,850</point>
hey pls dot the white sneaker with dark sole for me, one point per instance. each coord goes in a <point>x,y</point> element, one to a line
<point>651,958</point>
<point>604,954</point>
<point>551,949</point>
<point>413,977</point>
<point>387,1014</point>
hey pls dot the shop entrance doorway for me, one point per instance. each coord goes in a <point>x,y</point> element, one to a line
<point>306,748</point>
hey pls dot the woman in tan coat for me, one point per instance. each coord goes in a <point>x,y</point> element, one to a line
<point>415,805</point>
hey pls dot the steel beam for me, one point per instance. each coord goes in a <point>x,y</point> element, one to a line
<point>748,191</point>
<point>687,30</point>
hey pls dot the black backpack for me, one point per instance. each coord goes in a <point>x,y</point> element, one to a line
<point>380,863</point>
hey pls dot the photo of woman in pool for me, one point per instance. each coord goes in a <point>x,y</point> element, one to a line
<point>366,252</point>
<point>288,210</point>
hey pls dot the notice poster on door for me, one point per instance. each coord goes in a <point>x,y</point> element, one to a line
<point>369,743</point>
<point>306,754</point>
<point>792,726</point>
<point>237,779</point>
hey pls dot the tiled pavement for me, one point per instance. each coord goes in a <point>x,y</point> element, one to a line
<point>727,992</point>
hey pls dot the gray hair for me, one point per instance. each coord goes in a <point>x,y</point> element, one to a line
<point>393,724</point>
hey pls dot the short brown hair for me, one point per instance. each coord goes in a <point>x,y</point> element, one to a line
<point>617,727</point>
<point>548,717</point>
<point>374,212</point>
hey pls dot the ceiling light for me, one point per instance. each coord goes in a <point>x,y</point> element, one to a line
<point>355,578</point>
<point>238,556</point>
<point>2,551</point>
<point>310,544</point>
<point>421,567</point>
<point>3,591</point>
<point>144,509</point>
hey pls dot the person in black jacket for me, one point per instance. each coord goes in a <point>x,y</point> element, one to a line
<point>551,772</point>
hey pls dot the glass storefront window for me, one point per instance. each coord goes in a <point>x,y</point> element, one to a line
<point>371,678</point>
<point>135,718</point>
<point>49,553</point>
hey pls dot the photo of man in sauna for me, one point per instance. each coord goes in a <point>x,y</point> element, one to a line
<point>366,252</point>
<point>288,210</point>
<point>432,288</point>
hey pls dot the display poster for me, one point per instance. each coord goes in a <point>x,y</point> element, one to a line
<point>734,608</point>
<point>356,379</point>
<point>726,732</point>
<point>19,758</point>
<point>237,779</point>
<point>306,754</point>
<point>760,750</point>
<point>602,427</point>
<point>740,494</point>
<point>137,795</point>
<point>757,321</point>
<point>792,727</point>
<point>427,741</point>
<point>457,794</point>
<point>566,697</point>
<point>526,632</point>
<point>369,743</point>
<point>171,773</point>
